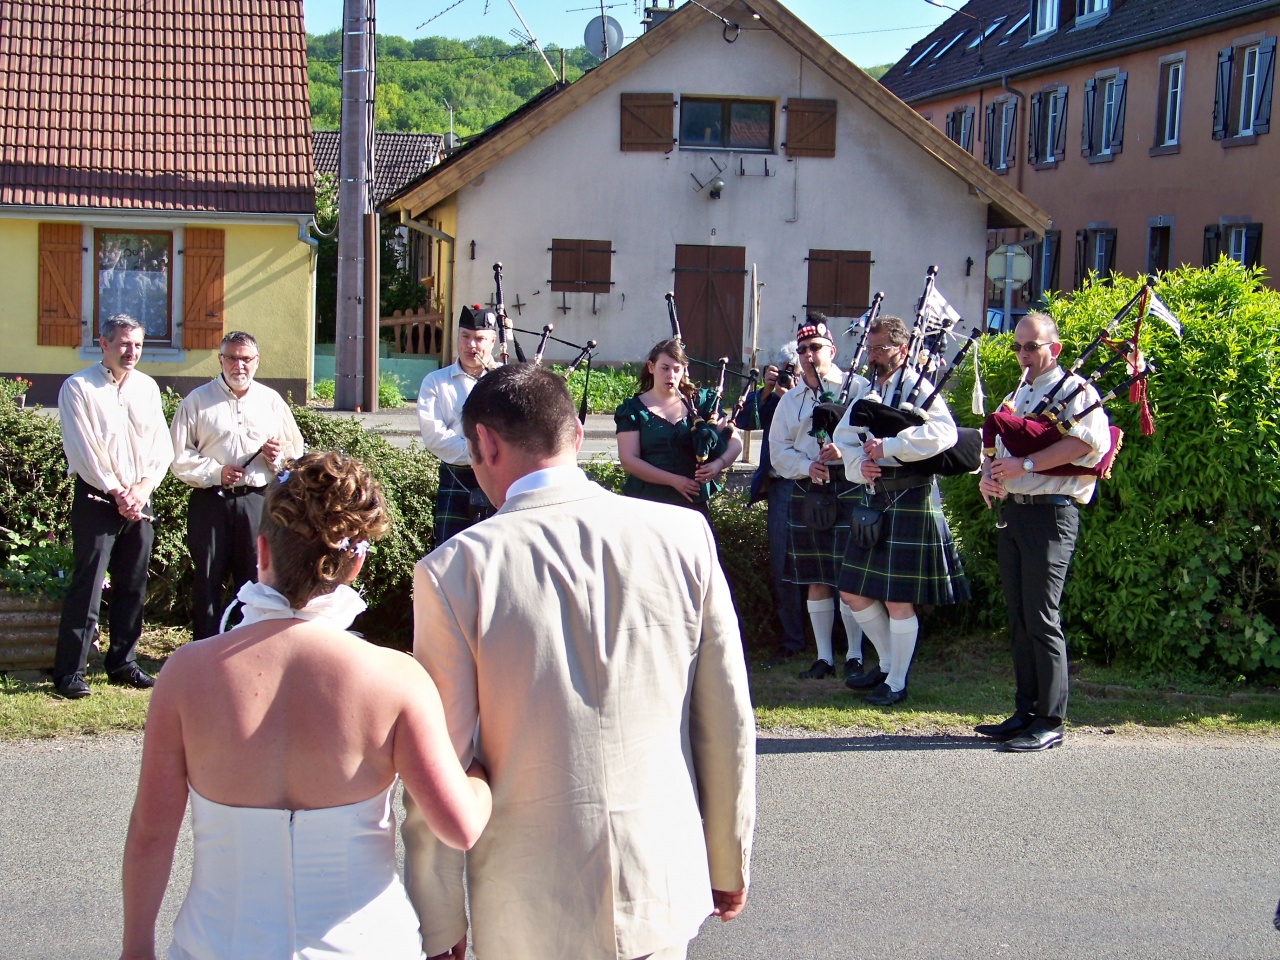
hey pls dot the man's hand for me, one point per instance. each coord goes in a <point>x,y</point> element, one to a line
<point>829,452</point>
<point>818,472</point>
<point>271,449</point>
<point>873,449</point>
<point>231,474</point>
<point>127,504</point>
<point>871,470</point>
<point>459,951</point>
<point>728,904</point>
<point>990,488</point>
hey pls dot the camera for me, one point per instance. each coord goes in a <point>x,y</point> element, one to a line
<point>787,376</point>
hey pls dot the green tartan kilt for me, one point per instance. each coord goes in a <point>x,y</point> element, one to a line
<point>454,511</point>
<point>814,556</point>
<point>916,559</point>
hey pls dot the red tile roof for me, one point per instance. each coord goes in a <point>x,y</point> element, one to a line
<point>193,105</point>
<point>398,158</point>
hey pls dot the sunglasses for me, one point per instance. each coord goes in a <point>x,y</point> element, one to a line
<point>811,347</point>
<point>1028,347</point>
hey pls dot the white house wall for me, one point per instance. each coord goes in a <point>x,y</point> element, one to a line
<point>880,193</point>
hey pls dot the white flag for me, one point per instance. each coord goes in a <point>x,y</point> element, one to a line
<point>936,306</point>
<point>860,322</point>
<point>979,401</point>
<point>1156,308</point>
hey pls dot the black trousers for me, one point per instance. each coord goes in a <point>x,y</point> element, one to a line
<point>1034,551</point>
<point>222,533</point>
<point>102,542</point>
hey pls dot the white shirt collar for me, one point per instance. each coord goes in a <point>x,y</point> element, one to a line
<point>562,476</point>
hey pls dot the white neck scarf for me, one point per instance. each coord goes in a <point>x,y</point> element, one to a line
<point>261,602</point>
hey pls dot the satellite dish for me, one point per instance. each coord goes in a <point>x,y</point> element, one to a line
<point>603,33</point>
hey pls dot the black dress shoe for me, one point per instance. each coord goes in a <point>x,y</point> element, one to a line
<point>72,687</point>
<point>1033,740</point>
<point>852,668</point>
<point>866,680</point>
<point>132,676</point>
<point>882,696</point>
<point>1007,729</point>
<point>819,671</point>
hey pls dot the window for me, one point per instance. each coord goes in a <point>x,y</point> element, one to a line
<point>960,127</point>
<point>839,282</point>
<point>581,266</point>
<point>1242,94</point>
<point>950,43</point>
<point>927,50</point>
<point>1096,252</point>
<point>1089,9</point>
<point>1000,147</point>
<point>1047,142</point>
<point>1102,124</point>
<point>1159,240</point>
<point>1169,105</point>
<point>1048,256</point>
<point>1044,16</point>
<point>133,278</point>
<point>726,124</point>
<point>1022,22</point>
<point>992,27</point>
<point>1242,242</point>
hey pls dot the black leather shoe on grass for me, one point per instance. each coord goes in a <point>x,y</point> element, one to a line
<point>1006,729</point>
<point>882,696</point>
<point>819,671</point>
<point>72,687</point>
<point>1033,740</point>
<point>132,676</point>
<point>852,668</point>
<point>866,680</point>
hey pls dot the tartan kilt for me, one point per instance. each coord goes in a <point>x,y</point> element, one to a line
<point>814,556</point>
<point>916,559</point>
<point>454,512</point>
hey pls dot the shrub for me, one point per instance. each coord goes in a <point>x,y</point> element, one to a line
<point>1177,557</point>
<point>609,386</point>
<point>390,391</point>
<point>323,389</point>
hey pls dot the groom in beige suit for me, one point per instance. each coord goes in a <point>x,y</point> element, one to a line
<point>594,640</point>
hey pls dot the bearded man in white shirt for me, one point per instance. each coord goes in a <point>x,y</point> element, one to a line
<point>231,437</point>
<point>118,449</point>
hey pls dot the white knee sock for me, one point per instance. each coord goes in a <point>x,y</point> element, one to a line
<point>902,640</point>
<point>875,624</point>
<point>852,631</point>
<point>822,614</point>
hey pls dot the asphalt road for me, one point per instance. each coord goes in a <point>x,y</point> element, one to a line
<point>887,847</point>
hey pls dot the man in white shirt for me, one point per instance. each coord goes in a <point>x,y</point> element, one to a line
<point>230,437</point>
<point>118,449</point>
<point>459,501</point>
<point>1034,548</point>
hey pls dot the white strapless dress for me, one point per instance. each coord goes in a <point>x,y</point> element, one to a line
<point>304,884</point>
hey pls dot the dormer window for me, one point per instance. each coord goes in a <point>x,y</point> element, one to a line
<point>1088,10</point>
<point>1044,16</point>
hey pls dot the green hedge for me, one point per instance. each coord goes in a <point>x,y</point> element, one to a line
<point>1177,561</point>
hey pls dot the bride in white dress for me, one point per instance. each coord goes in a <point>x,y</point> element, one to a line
<point>287,735</point>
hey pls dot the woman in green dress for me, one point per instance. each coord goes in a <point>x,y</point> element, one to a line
<point>656,437</point>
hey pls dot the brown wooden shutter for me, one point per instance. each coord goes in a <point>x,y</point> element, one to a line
<point>811,128</point>
<point>1036,128</point>
<point>566,261</point>
<point>61,258</point>
<point>1117,130</point>
<point>1266,83</point>
<point>1222,93</point>
<point>1059,145</point>
<point>1087,118</point>
<point>202,274</point>
<point>648,122</point>
<point>839,282</point>
<point>597,258</point>
<point>1212,244</point>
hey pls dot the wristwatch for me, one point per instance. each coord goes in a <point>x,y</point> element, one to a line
<point>1028,466</point>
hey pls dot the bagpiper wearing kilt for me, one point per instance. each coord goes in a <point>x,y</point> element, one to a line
<point>811,465</point>
<point>459,502</point>
<point>900,552</point>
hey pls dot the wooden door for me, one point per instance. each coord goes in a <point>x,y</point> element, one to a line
<point>710,291</point>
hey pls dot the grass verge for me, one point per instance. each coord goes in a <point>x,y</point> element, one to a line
<point>955,683</point>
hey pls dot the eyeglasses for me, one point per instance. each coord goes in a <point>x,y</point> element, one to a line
<point>245,361</point>
<point>885,348</point>
<point>811,347</point>
<point>1028,347</point>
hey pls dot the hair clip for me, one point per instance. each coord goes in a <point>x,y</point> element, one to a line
<point>283,476</point>
<point>358,549</point>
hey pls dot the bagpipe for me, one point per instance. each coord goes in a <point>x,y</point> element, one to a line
<point>895,412</point>
<point>828,412</point>
<point>710,431</point>
<point>1046,424</point>
<point>505,327</point>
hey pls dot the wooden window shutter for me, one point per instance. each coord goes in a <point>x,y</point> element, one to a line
<point>566,265</point>
<point>989,131</point>
<point>1086,118</point>
<point>1117,131</point>
<point>58,283</point>
<point>821,293</point>
<point>1010,110</point>
<point>1053,238</point>
<point>1109,237</point>
<point>1082,250</point>
<point>1253,242</point>
<point>811,128</point>
<point>596,266</point>
<point>1222,93</point>
<point>952,117</point>
<point>1035,112</point>
<point>1266,83</point>
<point>966,129</point>
<point>648,122</point>
<point>1212,244</point>
<point>1058,148</point>
<point>202,273</point>
<point>839,282</point>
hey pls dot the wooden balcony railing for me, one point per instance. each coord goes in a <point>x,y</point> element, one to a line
<point>417,332</point>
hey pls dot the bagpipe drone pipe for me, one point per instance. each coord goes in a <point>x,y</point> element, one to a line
<point>505,327</point>
<point>1046,424</point>
<point>935,323</point>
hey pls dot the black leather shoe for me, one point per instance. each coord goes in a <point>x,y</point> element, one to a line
<point>819,671</point>
<point>882,696</point>
<point>866,680</point>
<point>852,668</point>
<point>1033,740</point>
<point>72,687</point>
<point>132,676</point>
<point>1007,729</point>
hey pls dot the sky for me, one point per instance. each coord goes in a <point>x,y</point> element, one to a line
<point>868,32</point>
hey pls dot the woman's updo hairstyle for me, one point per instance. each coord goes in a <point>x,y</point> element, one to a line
<point>319,518</point>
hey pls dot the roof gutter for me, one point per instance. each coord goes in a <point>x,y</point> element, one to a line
<point>27,211</point>
<point>304,232</point>
<point>1128,44</point>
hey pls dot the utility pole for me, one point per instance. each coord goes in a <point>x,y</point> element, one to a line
<point>355,200</point>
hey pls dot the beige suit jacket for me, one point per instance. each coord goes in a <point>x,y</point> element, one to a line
<point>594,639</point>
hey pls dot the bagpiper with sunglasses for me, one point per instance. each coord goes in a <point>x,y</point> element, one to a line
<point>805,458</point>
<point>1038,536</point>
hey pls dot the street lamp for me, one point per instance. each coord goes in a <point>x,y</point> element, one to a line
<point>982,27</point>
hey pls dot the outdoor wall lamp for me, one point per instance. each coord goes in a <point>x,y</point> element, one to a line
<point>717,186</point>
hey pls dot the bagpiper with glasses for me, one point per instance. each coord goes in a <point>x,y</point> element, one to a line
<point>1038,536</point>
<point>805,458</point>
<point>230,437</point>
